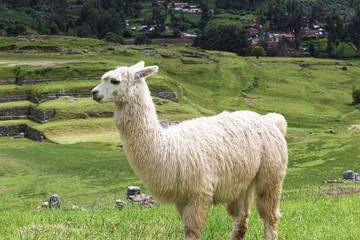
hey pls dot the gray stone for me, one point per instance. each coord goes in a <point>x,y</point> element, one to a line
<point>357,177</point>
<point>165,95</point>
<point>21,135</point>
<point>144,200</point>
<point>54,201</point>
<point>87,208</point>
<point>120,203</point>
<point>132,191</point>
<point>349,175</point>
<point>142,197</point>
<point>74,207</point>
<point>148,52</point>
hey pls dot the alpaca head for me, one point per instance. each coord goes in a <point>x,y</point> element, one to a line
<point>116,84</point>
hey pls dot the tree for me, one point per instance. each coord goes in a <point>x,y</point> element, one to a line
<point>257,51</point>
<point>356,96</point>
<point>176,33</point>
<point>354,31</point>
<point>54,30</point>
<point>14,29</point>
<point>316,14</point>
<point>158,18</point>
<point>84,30</point>
<point>142,40</point>
<point>205,15</point>
<point>71,32</point>
<point>228,37</point>
<point>312,50</point>
<point>113,37</point>
<point>335,28</point>
<point>19,75</point>
<point>296,14</point>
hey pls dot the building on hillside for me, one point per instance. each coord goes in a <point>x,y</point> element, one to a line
<point>186,35</point>
<point>160,3</point>
<point>195,10</point>
<point>252,21</point>
<point>180,5</point>
<point>276,36</point>
<point>253,32</point>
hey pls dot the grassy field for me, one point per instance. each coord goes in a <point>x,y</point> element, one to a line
<point>305,217</point>
<point>80,160</point>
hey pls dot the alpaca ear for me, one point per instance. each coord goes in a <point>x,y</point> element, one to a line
<point>145,72</point>
<point>140,64</point>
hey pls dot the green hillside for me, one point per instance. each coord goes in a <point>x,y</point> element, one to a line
<point>79,159</point>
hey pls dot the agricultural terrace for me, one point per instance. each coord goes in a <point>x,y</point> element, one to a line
<point>79,159</point>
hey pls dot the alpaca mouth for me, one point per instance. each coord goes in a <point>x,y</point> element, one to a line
<point>97,97</point>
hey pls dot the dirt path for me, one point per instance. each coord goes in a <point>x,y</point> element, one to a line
<point>250,100</point>
<point>2,62</point>
<point>44,63</point>
<point>341,191</point>
<point>353,126</point>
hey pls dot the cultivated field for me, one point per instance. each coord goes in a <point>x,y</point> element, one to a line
<point>79,159</point>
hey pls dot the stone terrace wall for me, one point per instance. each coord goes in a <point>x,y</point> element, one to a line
<point>51,96</point>
<point>8,81</point>
<point>35,81</point>
<point>14,99</point>
<point>33,114</point>
<point>166,95</point>
<point>14,130</point>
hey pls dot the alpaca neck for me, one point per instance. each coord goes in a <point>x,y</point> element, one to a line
<point>138,126</point>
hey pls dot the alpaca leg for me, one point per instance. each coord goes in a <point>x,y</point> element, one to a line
<point>267,203</point>
<point>194,214</point>
<point>239,210</point>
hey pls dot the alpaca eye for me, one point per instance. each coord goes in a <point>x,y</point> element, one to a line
<point>115,82</point>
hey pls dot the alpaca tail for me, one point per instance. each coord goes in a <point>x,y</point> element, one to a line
<point>279,121</point>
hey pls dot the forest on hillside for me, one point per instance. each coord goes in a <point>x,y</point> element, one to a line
<point>114,20</point>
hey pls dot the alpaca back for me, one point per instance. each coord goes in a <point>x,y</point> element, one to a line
<point>279,121</point>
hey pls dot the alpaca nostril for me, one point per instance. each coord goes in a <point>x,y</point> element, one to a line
<point>96,96</point>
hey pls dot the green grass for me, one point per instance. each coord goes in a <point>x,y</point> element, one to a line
<point>8,105</point>
<point>305,217</point>
<point>20,16</point>
<point>348,51</point>
<point>80,162</point>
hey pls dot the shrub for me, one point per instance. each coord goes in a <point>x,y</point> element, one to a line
<point>258,51</point>
<point>356,96</point>
<point>113,37</point>
<point>312,50</point>
<point>19,74</point>
<point>54,29</point>
<point>142,40</point>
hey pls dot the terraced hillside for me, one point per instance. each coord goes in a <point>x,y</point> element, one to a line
<point>79,158</point>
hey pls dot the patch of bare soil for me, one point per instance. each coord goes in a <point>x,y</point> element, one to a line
<point>163,41</point>
<point>298,136</point>
<point>250,100</point>
<point>2,189</point>
<point>353,126</point>
<point>44,63</point>
<point>339,191</point>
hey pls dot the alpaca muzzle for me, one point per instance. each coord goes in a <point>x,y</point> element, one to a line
<point>96,96</point>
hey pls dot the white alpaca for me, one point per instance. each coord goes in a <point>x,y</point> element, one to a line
<point>201,162</point>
